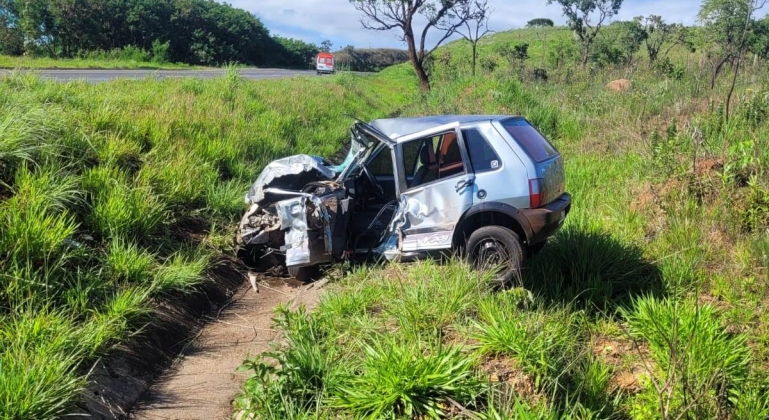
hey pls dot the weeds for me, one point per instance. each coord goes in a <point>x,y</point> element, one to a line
<point>98,185</point>
<point>668,213</point>
<point>408,380</point>
<point>695,365</point>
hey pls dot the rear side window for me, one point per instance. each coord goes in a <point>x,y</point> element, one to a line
<point>482,155</point>
<point>530,140</point>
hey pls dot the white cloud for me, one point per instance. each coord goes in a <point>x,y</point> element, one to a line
<point>316,20</point>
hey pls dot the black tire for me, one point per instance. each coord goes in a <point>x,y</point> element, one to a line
<point>304,274</point>
<point>497,248</point>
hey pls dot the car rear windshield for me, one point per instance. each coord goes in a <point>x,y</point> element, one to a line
<point>530,140</point>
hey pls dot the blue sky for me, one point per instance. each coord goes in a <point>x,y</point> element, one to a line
<point>337,20</point>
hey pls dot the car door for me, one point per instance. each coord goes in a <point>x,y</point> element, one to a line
<point>435,185</point>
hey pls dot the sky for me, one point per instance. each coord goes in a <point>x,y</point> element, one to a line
<point>337,20</point>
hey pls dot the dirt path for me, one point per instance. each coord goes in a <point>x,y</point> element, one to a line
<point>204,381</point>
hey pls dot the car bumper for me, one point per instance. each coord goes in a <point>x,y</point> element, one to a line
<point>546,221</point>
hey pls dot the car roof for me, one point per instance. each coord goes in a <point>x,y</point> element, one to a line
<point>398,127</point>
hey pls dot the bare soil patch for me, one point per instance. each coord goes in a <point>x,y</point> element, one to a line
<point>203,382</point>
<point>183,364</point>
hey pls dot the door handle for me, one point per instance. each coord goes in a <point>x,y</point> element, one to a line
<point>463,184</point>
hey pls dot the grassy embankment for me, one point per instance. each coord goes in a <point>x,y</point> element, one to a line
<point>651,302</point>
<point>100,184</point>
<point>9,62</point>
<point>117,195</point>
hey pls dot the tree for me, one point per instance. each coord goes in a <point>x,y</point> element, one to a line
<point>191,31</point>
<point>475,27</point>
<point>11,37</point>
<point>753,6</point>
<point>586,18</point>
<point>297,53</point>
<point>540,23</point>
<point>659,34</point>
<point>727,23</point>
<point>562,51</point>
<point>630,37</point>
<point>384,15</point>
<point>759,41</point>
<point>326,46</point>
<point>516,55</point>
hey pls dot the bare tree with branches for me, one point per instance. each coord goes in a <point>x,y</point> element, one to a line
<point>754,6</point>
<point>443,16</point>
<point>477,26</point>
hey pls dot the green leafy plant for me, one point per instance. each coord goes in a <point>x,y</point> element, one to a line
<point>695,363</point>
<point>399,379</point>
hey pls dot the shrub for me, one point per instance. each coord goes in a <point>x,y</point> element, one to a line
<point>543,344</point>
<point>126,262</point>
<point>160,51</point>
<point>666,68</point>
<point>401,379</point>
<point>307,371</point>
<point>120,209</point>
<point>696,363</point>
<point>181,272</point>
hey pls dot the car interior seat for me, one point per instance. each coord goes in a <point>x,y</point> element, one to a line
<point>450,160</point>
<point>428,169</point>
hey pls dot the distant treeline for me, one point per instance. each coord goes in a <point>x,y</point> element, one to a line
<point>369,59</point>
<point>187,31</point>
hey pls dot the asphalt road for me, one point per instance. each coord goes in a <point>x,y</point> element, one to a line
<point>97,76</point>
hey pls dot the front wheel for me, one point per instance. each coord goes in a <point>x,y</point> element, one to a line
<point>496,248</point>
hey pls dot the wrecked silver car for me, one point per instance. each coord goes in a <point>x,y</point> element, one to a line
<point>492,186</point>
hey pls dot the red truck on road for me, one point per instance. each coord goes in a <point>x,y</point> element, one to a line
<point>324,63</point>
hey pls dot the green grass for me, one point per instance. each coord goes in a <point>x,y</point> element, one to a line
<point>113,197</point>
<point>650,303</point>
<point>11,62</point>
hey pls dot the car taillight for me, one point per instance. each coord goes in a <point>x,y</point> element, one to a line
<point>537,192</point>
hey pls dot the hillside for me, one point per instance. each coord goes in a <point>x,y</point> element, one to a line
<point>369,60</point>
<point>553,47</point>
<point>650,303</point>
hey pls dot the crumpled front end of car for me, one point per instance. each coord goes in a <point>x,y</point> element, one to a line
<point>294,208</point>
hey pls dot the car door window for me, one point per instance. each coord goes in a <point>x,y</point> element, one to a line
<point>419,161</point>
<point>434,158</point>
<point>449,157</point>
<point>382,164</point>
<point>483,158</point>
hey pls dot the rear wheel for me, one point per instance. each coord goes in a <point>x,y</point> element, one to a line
<point>305,274</point>
<point>496,248</point>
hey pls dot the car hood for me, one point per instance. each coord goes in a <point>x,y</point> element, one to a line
<point>278,173</point>
<point>281,168</point>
